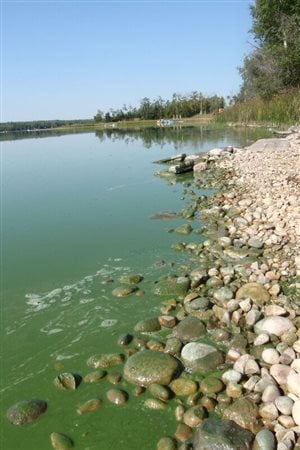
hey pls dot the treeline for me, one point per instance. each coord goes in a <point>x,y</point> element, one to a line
<point>270,89</point>
<point>176,107</point>
<point>41,125</point>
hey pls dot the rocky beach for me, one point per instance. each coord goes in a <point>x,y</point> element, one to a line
<point>223,354</point>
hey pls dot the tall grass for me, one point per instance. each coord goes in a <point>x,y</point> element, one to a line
<point>280,109</point>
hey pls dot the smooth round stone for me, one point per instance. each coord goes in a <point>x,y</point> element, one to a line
<point>166,443</point>
<point>89,405</point>
<point>268,411</point>
<point>147,367</point>
<point>217,434</point>
<point>284,405</point>
<point>117,396</point>
<point>172,286</point>
<point>159,391</point>
<point>173,346</point>
<point>255,243</point>
<point>123,291</point>
<point>256,292</point>
<point>147,325</point>
<point>94,377</point>
<point>296,412</point>
<point>214,282</point>
<point>167,321</point>
<point>270,356</point>
<point>114,377</point>
<point>274,310</point>
<point>198,357</point>
<point>183,386</point>
<point>261,339</point>
<point>154,403</point>
<point>231,376</point>
<point>130,279</point>
<point>105,360</point>
<point>280,373</point>
<point>293,383</point>
<point>199,303</point>
<point>193,416</point>
<point>189,329</point>
<point>264,440</point>
<point>277,325</point>
<point>270,393</point>
<point>124,339</point>
<point>223,295</point>
<point>26,411</point>
<point>211,385</point>
<point>61,441</point>
<point>183,432</point>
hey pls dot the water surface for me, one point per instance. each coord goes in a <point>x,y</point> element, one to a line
<point>75,211</point>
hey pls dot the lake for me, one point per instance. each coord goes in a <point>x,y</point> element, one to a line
<point>76,214</point>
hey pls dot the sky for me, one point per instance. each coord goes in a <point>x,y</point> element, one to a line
<point>67,59</point>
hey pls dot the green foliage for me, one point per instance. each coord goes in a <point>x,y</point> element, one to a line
<point>179,106</point>
<point>41,125</point>
<point>280,109</point>
<point>274,66</point>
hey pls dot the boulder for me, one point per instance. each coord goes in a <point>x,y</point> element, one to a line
<point>218,434</point>
<point>147,367</point>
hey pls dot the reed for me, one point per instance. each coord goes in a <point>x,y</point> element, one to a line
<point>282,109</point>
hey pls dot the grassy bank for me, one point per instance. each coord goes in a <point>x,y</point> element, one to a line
<point>282,109</point>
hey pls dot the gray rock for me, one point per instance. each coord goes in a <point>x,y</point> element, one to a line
<point>264,440</point>
<point>201,357</point>
<point>217,434</point>
<point>243,412</point>
<point>277,325</point>
<point>189,329</point>
<point>147,367</point>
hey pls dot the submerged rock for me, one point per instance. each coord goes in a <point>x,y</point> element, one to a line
<point>147,367</point>
<point>95,376</point>
<point>105,360</point>
<point>61,441</point>
<point>130,279</point>
<point>147,325</point>
<point>123,291</point>
<point>26,411</point>
<point>243,412</point>
<point>217,434</point>
<point>184,229</point>
<point>166,443</point>
<point>172,286</point>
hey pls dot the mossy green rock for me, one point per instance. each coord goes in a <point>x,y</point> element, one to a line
<point>117,396</point>
<point>147,367</point>
<point>89,405</point>
<point>211,385</point>
<point>66,381</point>
<point>172,286</point>
<point>217,434</point>
<point>159,391</point>
<point>123,291</point>
<point>189,329</point>
<point>154,403</point>
<point>184,229</point>
<point>130,279</point>
<point>184,386</point>
<point>61,441</point>
<point>26,411</point>
<point>166,443</point>
<point>243,412</point>
<point>94,377</point>
<point>147,325</point>
<point>105,360</point>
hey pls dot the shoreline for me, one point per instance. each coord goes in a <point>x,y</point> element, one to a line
<point>252,230</point>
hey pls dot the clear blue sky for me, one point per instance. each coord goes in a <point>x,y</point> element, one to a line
<point>66,59</point>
